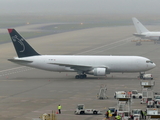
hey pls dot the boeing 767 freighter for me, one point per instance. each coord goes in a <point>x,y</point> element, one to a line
<point>82,64</point>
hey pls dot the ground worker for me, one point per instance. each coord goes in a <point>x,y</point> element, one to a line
<point>142,114</point>
<point>145,114</point>
<point>109,113</point>
<point>129,94</point>
<point>115,113</point>
<point>59,108</point>
<point>118,117</point>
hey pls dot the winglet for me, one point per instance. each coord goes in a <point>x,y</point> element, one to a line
<point>10,30</point>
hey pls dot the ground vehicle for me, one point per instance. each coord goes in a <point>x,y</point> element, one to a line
<point>150,104</point>
<point>135,94</point>
<point>157,103</point>
<point>147,76</point>
<point>81,110</point>
<point>152,111</point>
<point>136,113</point>
<point>120,94</point>
<point>157,100</point>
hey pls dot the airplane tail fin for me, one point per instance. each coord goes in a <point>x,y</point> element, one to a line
<point>23,49</point>
<point>139,27</point>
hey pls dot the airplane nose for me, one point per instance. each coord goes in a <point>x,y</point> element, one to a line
<point>151,66</point>
<point>154,65</point>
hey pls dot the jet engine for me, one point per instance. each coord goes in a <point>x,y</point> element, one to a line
<point>98,72</point>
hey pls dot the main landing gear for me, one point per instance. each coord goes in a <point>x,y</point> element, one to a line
<point>81,76</point>
<point>141,75</point>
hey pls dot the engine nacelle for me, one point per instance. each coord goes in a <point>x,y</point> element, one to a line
<point>98,72</point>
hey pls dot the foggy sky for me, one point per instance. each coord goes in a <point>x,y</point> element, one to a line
<point>80,6</point>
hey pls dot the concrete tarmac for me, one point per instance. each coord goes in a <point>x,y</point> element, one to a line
<point>26,93</point>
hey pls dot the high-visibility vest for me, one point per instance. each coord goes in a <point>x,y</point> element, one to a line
<point>118,117</point>
<point>145,113</point>
<point>109,111</point>
<point>59,107</point>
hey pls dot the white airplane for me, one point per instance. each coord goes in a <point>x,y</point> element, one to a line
<point>82,64</point>
<point>143,32</point>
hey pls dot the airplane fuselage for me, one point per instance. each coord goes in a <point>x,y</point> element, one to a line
<point>62,63</point>
<point>82,64</point>
<point>148,35</point>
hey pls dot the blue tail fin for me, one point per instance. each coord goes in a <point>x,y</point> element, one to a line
<point>23,49</point>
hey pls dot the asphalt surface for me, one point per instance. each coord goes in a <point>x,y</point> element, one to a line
<point>26,93</point>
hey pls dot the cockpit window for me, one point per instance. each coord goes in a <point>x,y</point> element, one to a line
<point>149,61</point>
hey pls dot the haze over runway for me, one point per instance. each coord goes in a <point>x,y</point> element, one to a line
<point>71,27</point>
<point>26,93</point>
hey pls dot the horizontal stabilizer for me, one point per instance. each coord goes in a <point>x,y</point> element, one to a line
<point>19,61</point>
<point>139,35</point>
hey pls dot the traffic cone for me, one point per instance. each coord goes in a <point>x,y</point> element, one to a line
<point>57,112</point>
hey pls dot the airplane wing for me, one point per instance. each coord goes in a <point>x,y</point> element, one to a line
<point>79,67</point>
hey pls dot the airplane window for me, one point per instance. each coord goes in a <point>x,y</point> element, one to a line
<point>149,62</point>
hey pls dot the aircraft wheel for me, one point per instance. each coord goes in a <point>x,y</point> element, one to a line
<point>81,76</point>
<point>85,75</point>
<point>94,112</point>
<point>82,112</point>
<point>141,77</point>
<point>77,77</point>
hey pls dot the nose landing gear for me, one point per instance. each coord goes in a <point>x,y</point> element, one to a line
<point>141,75</point>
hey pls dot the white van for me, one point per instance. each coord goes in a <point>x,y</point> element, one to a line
<point>147,76</point>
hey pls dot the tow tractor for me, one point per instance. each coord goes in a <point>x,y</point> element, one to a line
<point>135,94</point>
<point>81,110</point>
<point>147,76</point>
